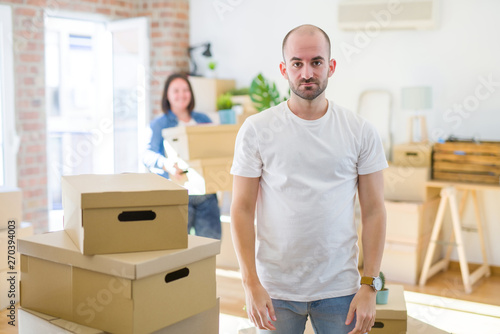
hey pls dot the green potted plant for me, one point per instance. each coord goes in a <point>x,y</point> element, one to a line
<point>264,94</point>
<point>212,65</point>
<point>383,294</point>
<point>224,107</point>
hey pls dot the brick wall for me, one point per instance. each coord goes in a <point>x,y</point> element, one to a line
<point>169,28</point>
<point>169,41</point>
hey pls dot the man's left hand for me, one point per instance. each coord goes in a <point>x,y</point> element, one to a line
<point>363,305</point>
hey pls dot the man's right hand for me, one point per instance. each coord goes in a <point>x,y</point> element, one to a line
<point>259,306</point>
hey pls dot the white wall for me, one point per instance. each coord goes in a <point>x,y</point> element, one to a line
<point>246,39</point>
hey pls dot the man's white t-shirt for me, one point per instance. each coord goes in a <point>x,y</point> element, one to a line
<point>306,245</point>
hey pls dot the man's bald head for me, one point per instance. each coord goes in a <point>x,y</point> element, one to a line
<point>305,29</point>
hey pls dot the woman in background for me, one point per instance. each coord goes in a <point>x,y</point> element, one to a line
<point>177,105</point>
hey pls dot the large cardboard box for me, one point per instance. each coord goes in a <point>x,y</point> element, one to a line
<point>124,213</point>
<point>392,317</point>
<point>412,154</point>
<point>403,183</point>
<point>120,293</point>
<point>22,229</point>
<point>408,221</point>
<point>207,176</point>
<point>202,141</point>
<point>206,322</point>
<point>248,107</point>
<point>10,206</point>
<point>402,261</point>
<point>214,174</point>
<point>207,90</point>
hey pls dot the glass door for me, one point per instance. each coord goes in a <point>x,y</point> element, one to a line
<point>96,93</point>
<point>130,92</point>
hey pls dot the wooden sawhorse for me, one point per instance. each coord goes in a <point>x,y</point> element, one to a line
<point>448,194</point>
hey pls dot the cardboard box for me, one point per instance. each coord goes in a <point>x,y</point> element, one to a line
<point>402,261</point>
<point>227,258</point>
<point>30,322</point>
<point>408,221</point>
<point>412,155</point>
<point>202,141</point>
<point>248,107</point>
<point>207,176</point>
<point>124,213</point>
<point>23,229</point>
<point>207,90</point>
<point>403,183</point>
<point>120,293</point>
<point>35,322</point>
<point>10,206</point>
<point>392,317</point>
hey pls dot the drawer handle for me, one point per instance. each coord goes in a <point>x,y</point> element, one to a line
<point>378,324</point>
<point>178,274</point>
<point>130,216</point>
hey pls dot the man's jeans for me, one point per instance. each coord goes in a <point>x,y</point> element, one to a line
<point>327,316</point>
<point>204,216</point>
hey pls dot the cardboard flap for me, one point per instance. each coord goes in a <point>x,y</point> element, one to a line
<point>122,190</point>
<point>58,247</point>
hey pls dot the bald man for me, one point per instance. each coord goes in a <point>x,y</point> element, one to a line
<point>297,167</point>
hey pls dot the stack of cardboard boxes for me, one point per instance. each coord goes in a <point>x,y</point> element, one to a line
<point>11,228</point>
<point>206,152</point>
<point>410,212</point>
<point>123,264</point>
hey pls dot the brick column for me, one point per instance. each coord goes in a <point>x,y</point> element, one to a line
<point>169,42</point>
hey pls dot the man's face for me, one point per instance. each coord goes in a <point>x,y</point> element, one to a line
<point>307,66</point>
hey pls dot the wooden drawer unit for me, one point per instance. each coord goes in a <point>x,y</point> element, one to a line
<point>467,162</point>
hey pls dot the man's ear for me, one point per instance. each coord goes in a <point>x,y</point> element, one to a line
<point>331,67</point>
<point>283,70</point>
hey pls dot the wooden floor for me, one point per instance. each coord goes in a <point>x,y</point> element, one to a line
<point>447,284</point>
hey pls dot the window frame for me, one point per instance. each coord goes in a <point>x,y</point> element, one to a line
<point>10,137</point>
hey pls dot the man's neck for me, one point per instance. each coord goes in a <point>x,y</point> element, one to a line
<point>308,109</point>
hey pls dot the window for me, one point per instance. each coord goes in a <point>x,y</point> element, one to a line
<point>96,108</point>
<point>8,138</point>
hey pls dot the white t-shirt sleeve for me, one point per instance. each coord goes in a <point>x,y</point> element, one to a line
<point>247,161</point>
<point>371,157</point>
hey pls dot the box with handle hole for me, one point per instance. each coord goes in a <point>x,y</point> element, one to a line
<point>392,317</point>
<point>130,293</point>
<point>124,213</point>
